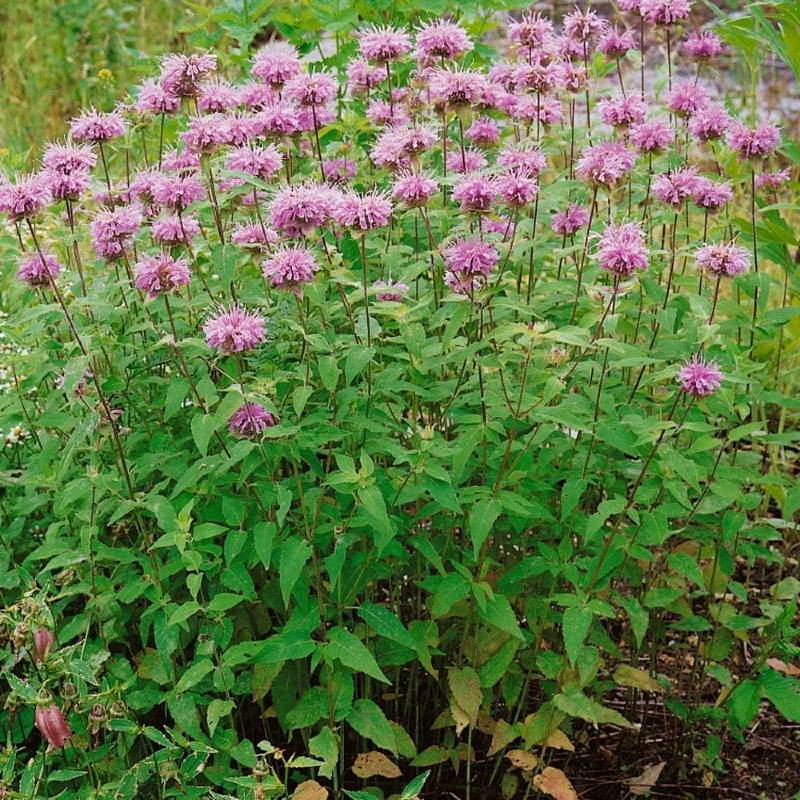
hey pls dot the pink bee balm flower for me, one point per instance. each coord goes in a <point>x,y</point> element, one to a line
<point>524,159</point>
<point>537,76</point>
<point>573,77</point>
<point>39,270</point>
<point>217,96</point>
<point>532,31</point>
<point>299,209</point>
<point>571,220</point>
<point>256,95</point>
<point>25,198</point>
<point>177,191</point>
<point>389,150</point>
<point>414,189</point>
<point>475,193</point>
<point>687,98</point>
<point>700,378</point>
<point>276,64</point>
<point>709,123</point>
<point>583,25</point>
<point>483,132</point>
<point>470,161</point>
<point>51,724</point>
<point>154,99</point>
<point>752,143</point>
<point>183,161</point>
<point>253,236</point>
<point>674,187</point>
<point>261,162</point>
<point>250,421</point>
<point>68,158</point>
<point>622,112</point>
<point>161,274</point>
<point>290,268</point>
<point>276,121</point>
<point>471,257</point>
<point>235,330</point>
<point>702,45</point>
<point>390,291</point>
<point>181,75</point>
<point>95,126</point>
<point>772,180</point>
<point>205,134</point>
<point>383,43</point>
<point>615,43</point>
<point>362,211</point>
<point>630,6</point>
<point>314,89</point>
<point>173,230</point>
<point>605,164</point>
<point>67,186</point>
<point>363,77</point>
<point>665,12</point>
<point>438,40</point>
<point>119,224</point>
<point>710,195</point>
<point>723,260</point>
<point>457,87</point>
<point>338,170</point>
<point>652,136</point>
<point>381,113</point>
<point>516,190</point>
<point>622,249</point>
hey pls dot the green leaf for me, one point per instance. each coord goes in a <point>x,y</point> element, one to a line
<point>576,704</point>
<point>414,787</point>
<point>386,624</point>
<point>353,653</point>
<point>494,669</point>
<point>217,709</point>
<point>626,675</point>
<point>194,675</point>
<point>367,719</point>
<point>373,502</point>
<point>575,625</point>
<point>450,590</point>
<point>498,612</point>
<point>783,692</point>
<point>203,427</point>
<point>481,520</point>
<point>325,747</point>
<point>294,555</point>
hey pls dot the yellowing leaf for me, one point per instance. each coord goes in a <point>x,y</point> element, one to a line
<point>522,759</point>
<point>310,790</point>
<point>466,688</point>
<point>647,780</point>
<point>559,741</point>
<point>554,782</point>
<point>503,735</point>
<point>367,765</point>
<point>626,675</point>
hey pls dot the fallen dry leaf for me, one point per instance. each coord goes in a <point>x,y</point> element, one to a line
<point>310,790</point>
<point>782,666</point>
<point>647,780</point>
<point>554,782</point>
<point>373,763</point>
<point>522,759</point>
<point>560,741</point>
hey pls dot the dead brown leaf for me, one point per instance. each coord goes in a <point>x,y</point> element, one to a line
<point>310,790</point>
<point>367,765</point>
<point>782,666</point>
<point>642,784</point>
<point>554,782</point>
<point>522,759</point>
<point>560,741</point>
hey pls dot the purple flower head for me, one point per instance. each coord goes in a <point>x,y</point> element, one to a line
<point>390,291</point>
<point>217,96</point>
<point>142,185</point>
<point>261,162</point>
<point>573,77</point>
<point>238,128</point>
<point>255,96</point>
<point>470,161</point>
<point>161,274</point>
<point>621,112</point>
<point>516,190</point>
<point>483,132</point>
<point>25,198</point>
<point>67,186</point>
<point>529,108</point>
<point>299,209</point>
<point>565,47</point>
<point>276,64</point>
<point>605,164</point>
<point>665,12</point>
<point>276,121</point>
<point>622,249</point>
<point>583,25</point>
<point>250,421</point>
<point>253,236</point>
<point>338,170</point>
<point>630,6</point>
<point>363,76</point>
<point>173,230</point>
<point>68,158</point>
<point>571,220</point>
<point>702,45</point>
<point>537,76</point>
<point>710,195</point>
<point>530,32</point>
<point>652,136</point>
<point>615,43</point>
<point>700,378</point>
<point>750,143</point>
<point>314,89</point>
<point>455,88</point>
<point>438,40</point>
<point>39,270</point>
<point>154,99</point>
<point>205,134</point>
<point>389,150</point>
<point>471,257</point>
<point>414,189</point>
<point>527,160</point>
<point>772,180</point>
<point>113,230</point>
<point>183,161</point>
<point>95,126</point>
<point>177,191</point>
<point>476,193</point>
<point>709,123</point>
<point>181,75</point>
<point>381,113</point>
<point>235,330</point>
<point>362,212</point>
<point>723,260</point>
<point>673,188</point>
<point>290,268</point>
<point>382,43</point>
<point>687,98</point>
